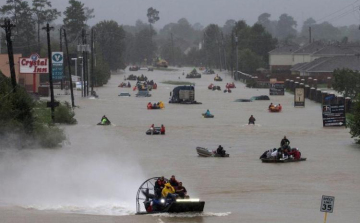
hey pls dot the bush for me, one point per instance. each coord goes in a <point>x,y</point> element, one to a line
<point>64,114</point>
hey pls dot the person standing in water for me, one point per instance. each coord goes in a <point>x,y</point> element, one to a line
<point>252,120</point>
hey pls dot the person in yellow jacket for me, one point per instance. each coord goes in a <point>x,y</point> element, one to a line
<point>161,104</point>
<point>168,192</point>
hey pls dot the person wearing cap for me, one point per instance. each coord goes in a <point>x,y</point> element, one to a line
<point>174,182</point>
<point>181,191</point>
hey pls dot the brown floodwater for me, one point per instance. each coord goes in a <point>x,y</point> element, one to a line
<point>95,176</point>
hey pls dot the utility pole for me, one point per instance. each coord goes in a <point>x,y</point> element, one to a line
<point>62,79</point>
<point>309,34</point>
<point>172,49</point>
<point>48,28</point>
<point>237,54</point>
<point>83,63</point>
<point>92,60</point>
<point>218,43</point>
<point>223,45</point>
<point>8,26</point>
<point>69,67</point>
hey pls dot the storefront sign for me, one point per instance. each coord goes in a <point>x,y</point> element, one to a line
<point>277,88</point>
<point>299,97</point>
<point>34,65</point>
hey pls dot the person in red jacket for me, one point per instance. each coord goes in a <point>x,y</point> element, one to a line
<point>295,153</point>
<point>149,105</point>
<point>162,130</point>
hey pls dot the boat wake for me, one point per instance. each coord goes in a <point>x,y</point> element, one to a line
<point>191,215</point>
<point>103,209</point>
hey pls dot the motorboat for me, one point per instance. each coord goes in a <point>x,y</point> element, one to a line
<point>204,152</point>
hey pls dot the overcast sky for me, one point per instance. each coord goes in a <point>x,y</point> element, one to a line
<point>339,12</point>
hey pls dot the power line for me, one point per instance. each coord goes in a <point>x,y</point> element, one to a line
<point>337,11</point>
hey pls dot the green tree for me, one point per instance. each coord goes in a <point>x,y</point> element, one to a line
<point>286,27</point>
<point>353,120</point>
<point>20,13</point>
<point>249,61</point>
<point>310,22</point>
<point>153,15</point>
<point>75,19</point>
<point>211,45</point>
<point>110,37</point>
<point>44,13</point>
<point>347,82</point>
<point>102,70</point>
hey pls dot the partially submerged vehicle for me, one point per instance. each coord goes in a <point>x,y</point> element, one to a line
<point>204,152</point>
<point>131,77</point>
<point>243,100</point>
<point>183,95</point>
<point>193,74</point>
<point>260,98</point>
<point>150,69</point>
<point>134,68</point>
<point>210,71</point>
<point>124,94</point>
<point>148,203</point>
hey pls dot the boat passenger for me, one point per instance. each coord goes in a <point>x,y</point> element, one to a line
<point>279,106</point>
<point>152,128</point>
<point>168,192</point>
<point>271,105</point>
<point>159,186</point>
<point>295,153</point>
<point>207,113</point>
<point>174,182</point>
<point>162,129</point>
<point>104,120</point>
<point>181,191</point>
<point>252,120</point>
<point>284,142</point>
<point>149,105</point>
<point>220,150</point>
<point>129,85</point>
<point>274,153</point>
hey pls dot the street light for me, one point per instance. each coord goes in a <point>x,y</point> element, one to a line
<point>237,54</point>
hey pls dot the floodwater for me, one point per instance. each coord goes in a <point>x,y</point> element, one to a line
<point>95,176</point>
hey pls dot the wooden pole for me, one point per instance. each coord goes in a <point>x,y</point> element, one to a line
<point>325,217</point>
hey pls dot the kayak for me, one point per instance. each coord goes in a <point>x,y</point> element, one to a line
<point>272,160</point>
<point>203,152</point>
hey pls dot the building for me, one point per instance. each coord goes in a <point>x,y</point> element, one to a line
<point>25,80</point>
<point>281,58</point>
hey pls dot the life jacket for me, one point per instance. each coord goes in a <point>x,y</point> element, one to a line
<point>167,189</point>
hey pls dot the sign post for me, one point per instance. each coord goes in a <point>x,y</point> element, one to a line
<point>57,60</point>
<point>277,88</point>
<point>299,97</point>
<point>333,115</point>
<point>327,205</point>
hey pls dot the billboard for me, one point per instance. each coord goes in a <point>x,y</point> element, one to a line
<point>34,65</point>
<point>277,88</point>
<point>333,115</point>
<point>57,59</point>
<point>299,97</point>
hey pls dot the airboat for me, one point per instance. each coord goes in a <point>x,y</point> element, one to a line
<point>148,203</point>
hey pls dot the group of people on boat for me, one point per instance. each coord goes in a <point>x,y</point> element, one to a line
<point>123,84</point>
<point>142,78</point>
<point>283,152</point>
<point>217,78</point>
<point>159,105</point>
<point>273,107</point>
<point>230,85</point>
<point>153,130</point>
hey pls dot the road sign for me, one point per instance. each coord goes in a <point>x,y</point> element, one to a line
<point>277,88</point>
<point>327,204</point>
<point>299,97</point>
<point>57,60</point>
<point>333,115</point>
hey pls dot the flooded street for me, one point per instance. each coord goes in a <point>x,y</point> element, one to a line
<point>95,176</point>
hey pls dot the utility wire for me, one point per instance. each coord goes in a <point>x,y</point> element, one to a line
<point>321,19</point>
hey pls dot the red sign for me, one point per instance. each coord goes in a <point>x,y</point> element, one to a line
<point>34,64</point>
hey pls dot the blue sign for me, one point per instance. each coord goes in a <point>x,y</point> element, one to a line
<point>57,60</point>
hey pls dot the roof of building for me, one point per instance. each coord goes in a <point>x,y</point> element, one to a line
<point>329,64</point>
<point>310,48</point>
<point>286,49</point>
<point>333,50</point>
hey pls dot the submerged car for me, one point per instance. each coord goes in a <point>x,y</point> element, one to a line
<point>124,94</point>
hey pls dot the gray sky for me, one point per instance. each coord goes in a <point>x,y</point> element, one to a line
<point>218,11</point>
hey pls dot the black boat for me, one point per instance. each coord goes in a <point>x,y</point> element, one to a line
<point>289,160</point>
<point>207,116</point>
<point>155,132</point>
<point>145,198</point>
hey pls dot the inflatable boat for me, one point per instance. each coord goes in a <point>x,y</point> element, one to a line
<point>203,152</point>
<point>275,109</point>
<point>217,78</point>
<point>155,132</point>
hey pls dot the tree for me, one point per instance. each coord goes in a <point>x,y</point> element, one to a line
<point>21,14</point>
<point>75,19</point>
<point>153,15</point>
<point>249,61</point>
<point>228,26</point>
<point>286,27</point>
<point>211,45</point>
<point>353,121</point>
<point>347,82</point>
<point>110,37</point>
<point>310,22</point>
<point>44,13</point>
